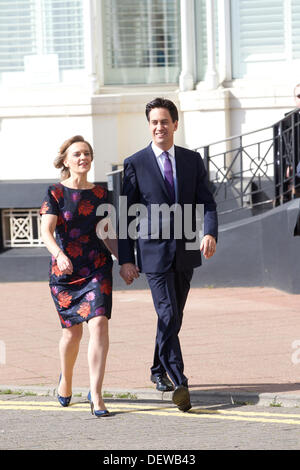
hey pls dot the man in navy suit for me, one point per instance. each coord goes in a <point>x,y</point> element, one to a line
<point>164,174</point>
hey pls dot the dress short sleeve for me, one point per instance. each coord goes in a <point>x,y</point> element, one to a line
<point>50,202</point>
<point>102,196</point>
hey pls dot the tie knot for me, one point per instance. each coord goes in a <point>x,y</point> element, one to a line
<point>166,154</point>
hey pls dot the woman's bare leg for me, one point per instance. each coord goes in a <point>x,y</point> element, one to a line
<point>97,354</point>
<point>68,351</point>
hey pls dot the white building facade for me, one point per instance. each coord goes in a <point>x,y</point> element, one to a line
<point>89,67</point>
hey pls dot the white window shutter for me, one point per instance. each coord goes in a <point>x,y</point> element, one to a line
<point>63,32</point>
<point>40,28</point>
<point>258,36</point>
<point>17,34</point>
<point>296,29</point>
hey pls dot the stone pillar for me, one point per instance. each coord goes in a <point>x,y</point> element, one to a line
<point>89,16</point>
<point>211,77</point>
<point>186,79</point>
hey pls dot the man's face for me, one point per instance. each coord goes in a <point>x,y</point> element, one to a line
<point>297,96</point>
<point>162,128</point>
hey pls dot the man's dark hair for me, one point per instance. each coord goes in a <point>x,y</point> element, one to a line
<point>162,103</point>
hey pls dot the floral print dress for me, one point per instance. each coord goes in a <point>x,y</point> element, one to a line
<point>87,292</point>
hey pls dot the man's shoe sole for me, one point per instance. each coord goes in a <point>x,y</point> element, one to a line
<point>181,398</point>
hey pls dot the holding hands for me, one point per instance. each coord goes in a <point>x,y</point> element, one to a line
<point>129,272</point>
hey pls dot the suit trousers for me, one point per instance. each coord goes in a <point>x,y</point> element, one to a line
<point>169,292</point>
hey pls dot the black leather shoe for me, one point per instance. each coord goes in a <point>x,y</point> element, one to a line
<point>181,398</point>
<point>163,384</point>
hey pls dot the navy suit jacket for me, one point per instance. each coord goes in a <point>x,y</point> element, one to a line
<point>144,184</point>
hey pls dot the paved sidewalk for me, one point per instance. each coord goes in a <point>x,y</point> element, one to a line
<point>238,342</point>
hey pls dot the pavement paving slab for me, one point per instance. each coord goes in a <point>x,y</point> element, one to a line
<point>241,342</point>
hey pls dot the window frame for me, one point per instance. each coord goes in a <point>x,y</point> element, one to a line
<point>154,76</point>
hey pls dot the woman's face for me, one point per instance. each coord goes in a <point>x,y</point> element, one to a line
<point>79,158</point>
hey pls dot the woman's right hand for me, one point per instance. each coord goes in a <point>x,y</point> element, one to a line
<point>64,263</point>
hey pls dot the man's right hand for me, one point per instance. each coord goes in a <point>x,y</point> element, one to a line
<point>129,272</point>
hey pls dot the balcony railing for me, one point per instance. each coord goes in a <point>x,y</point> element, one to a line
<point>21,228</point>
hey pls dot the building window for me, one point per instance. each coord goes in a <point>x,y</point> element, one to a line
<point>64,32</point>
<point>265,38</point>
<point>21,228</point>
<point>141,41</point>
<point>40,40</point>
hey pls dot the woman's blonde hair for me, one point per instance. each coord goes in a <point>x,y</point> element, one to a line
<point>59,160</point>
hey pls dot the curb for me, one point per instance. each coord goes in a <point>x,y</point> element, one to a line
<point>197,397</point>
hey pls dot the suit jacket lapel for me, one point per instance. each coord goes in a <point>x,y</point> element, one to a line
<point>180,170</point>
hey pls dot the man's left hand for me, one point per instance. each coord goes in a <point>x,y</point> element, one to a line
<point>208,246</point>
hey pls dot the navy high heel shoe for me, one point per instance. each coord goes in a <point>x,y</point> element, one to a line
<point>97,413</point>
<point>64,401</point>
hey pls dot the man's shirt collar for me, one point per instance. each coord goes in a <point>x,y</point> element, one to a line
<point>157,151</point>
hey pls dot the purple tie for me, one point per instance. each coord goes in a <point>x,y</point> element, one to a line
<point>168,172</point>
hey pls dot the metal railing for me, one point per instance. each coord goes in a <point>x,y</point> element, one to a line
<point>21,228</point>
<point>256,170</point>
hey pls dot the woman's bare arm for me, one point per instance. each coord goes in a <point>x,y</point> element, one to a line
<point>47,231</point>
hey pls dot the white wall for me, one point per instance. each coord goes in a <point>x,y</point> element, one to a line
<point>33,126</point>
<point>31,144</point>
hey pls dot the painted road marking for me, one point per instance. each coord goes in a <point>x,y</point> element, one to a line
<point>195,413</point>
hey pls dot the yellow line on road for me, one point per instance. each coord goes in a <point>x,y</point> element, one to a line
<point>246,417</point>
<point>83,404</point>
<point>37,408</point>
<point>142,407</point>
<point>244,413</point>
<point>170,410</point>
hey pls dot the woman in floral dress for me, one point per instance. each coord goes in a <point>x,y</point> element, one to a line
<point>80,268</point>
